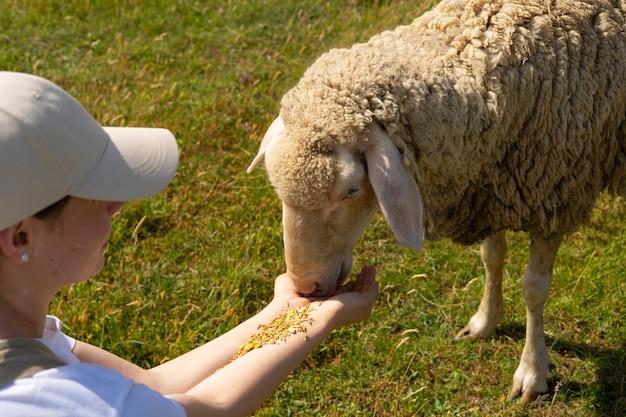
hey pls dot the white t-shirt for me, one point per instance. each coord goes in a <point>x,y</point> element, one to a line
<point>80,389</point>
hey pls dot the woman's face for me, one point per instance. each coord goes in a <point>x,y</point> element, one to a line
<point>71,246</point>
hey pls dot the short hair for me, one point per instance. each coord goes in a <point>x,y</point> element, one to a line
<point>53,210</point>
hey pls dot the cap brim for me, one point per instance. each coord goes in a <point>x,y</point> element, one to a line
<point>138,162</point>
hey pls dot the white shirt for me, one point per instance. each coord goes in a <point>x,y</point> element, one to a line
<point>80,389</point>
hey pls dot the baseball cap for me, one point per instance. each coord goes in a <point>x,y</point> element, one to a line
<point>51,147</point>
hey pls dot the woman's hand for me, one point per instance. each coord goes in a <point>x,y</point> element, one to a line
<point>241,385</point>
<point>353,301</point>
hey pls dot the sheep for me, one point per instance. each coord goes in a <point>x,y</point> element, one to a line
<point>477,118</point>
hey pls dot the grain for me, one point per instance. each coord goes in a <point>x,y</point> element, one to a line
<point>287,323</point>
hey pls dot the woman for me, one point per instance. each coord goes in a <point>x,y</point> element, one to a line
<point>63,178</point>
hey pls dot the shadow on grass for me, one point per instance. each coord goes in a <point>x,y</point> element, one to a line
<point>610,364</point>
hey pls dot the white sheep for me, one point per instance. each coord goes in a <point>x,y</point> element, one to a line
<point>477,118</point>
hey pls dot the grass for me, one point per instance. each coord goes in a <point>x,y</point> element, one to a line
<point>190,263</point>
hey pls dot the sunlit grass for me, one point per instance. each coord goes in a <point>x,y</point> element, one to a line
<point>190,263</point>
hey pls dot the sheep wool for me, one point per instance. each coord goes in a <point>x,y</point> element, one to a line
<point>510,114</point>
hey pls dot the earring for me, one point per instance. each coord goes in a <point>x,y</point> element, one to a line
<point>25,257</point>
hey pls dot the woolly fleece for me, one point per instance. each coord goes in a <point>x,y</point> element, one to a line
<point>510,114</point>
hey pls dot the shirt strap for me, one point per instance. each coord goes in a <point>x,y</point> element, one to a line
<point>22,357</point>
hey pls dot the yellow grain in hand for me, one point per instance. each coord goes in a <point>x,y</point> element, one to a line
<point>290,321</point>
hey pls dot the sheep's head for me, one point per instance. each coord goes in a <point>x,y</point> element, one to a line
<point>329,191</point>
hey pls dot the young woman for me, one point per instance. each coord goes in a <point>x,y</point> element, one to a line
<point>63,178</point>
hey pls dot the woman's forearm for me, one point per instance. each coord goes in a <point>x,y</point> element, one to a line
<point>207,384</point>
<point>184,372</point>
<point>241,386</point>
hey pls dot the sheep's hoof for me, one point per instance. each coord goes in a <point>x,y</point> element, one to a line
<point>530,382</point>
<point>480,326</point>
<point>527,397</point>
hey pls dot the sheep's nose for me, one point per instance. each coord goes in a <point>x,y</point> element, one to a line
<point>306,289</point>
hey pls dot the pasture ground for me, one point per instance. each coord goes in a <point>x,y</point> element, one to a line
<point>195,260</point>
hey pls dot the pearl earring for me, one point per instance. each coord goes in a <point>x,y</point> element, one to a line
<point>25,257</point>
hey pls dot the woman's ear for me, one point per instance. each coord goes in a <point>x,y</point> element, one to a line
<point>14,243</point>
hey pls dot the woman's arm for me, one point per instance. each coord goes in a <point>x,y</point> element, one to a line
<point>184,372</point>
<point>180,374</point>
<point>240,387</point>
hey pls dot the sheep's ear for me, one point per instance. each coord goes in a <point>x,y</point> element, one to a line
<point>276,129</point>
<point>396,190</point>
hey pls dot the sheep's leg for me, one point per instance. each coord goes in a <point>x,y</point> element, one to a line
<point>483,323</point>
<point>531,376</point>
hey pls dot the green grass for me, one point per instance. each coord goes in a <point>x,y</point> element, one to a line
<point>195,260</point>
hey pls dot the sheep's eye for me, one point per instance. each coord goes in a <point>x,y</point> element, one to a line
<point>352,192</point>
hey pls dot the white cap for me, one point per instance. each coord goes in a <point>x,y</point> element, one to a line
<point>50,147</point>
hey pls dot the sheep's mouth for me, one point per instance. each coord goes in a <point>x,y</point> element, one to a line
<point>320,292</point>
<point>326,291</point>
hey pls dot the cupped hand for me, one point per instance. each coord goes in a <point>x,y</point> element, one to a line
<point>350,303</point>
<point>353,302</point>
